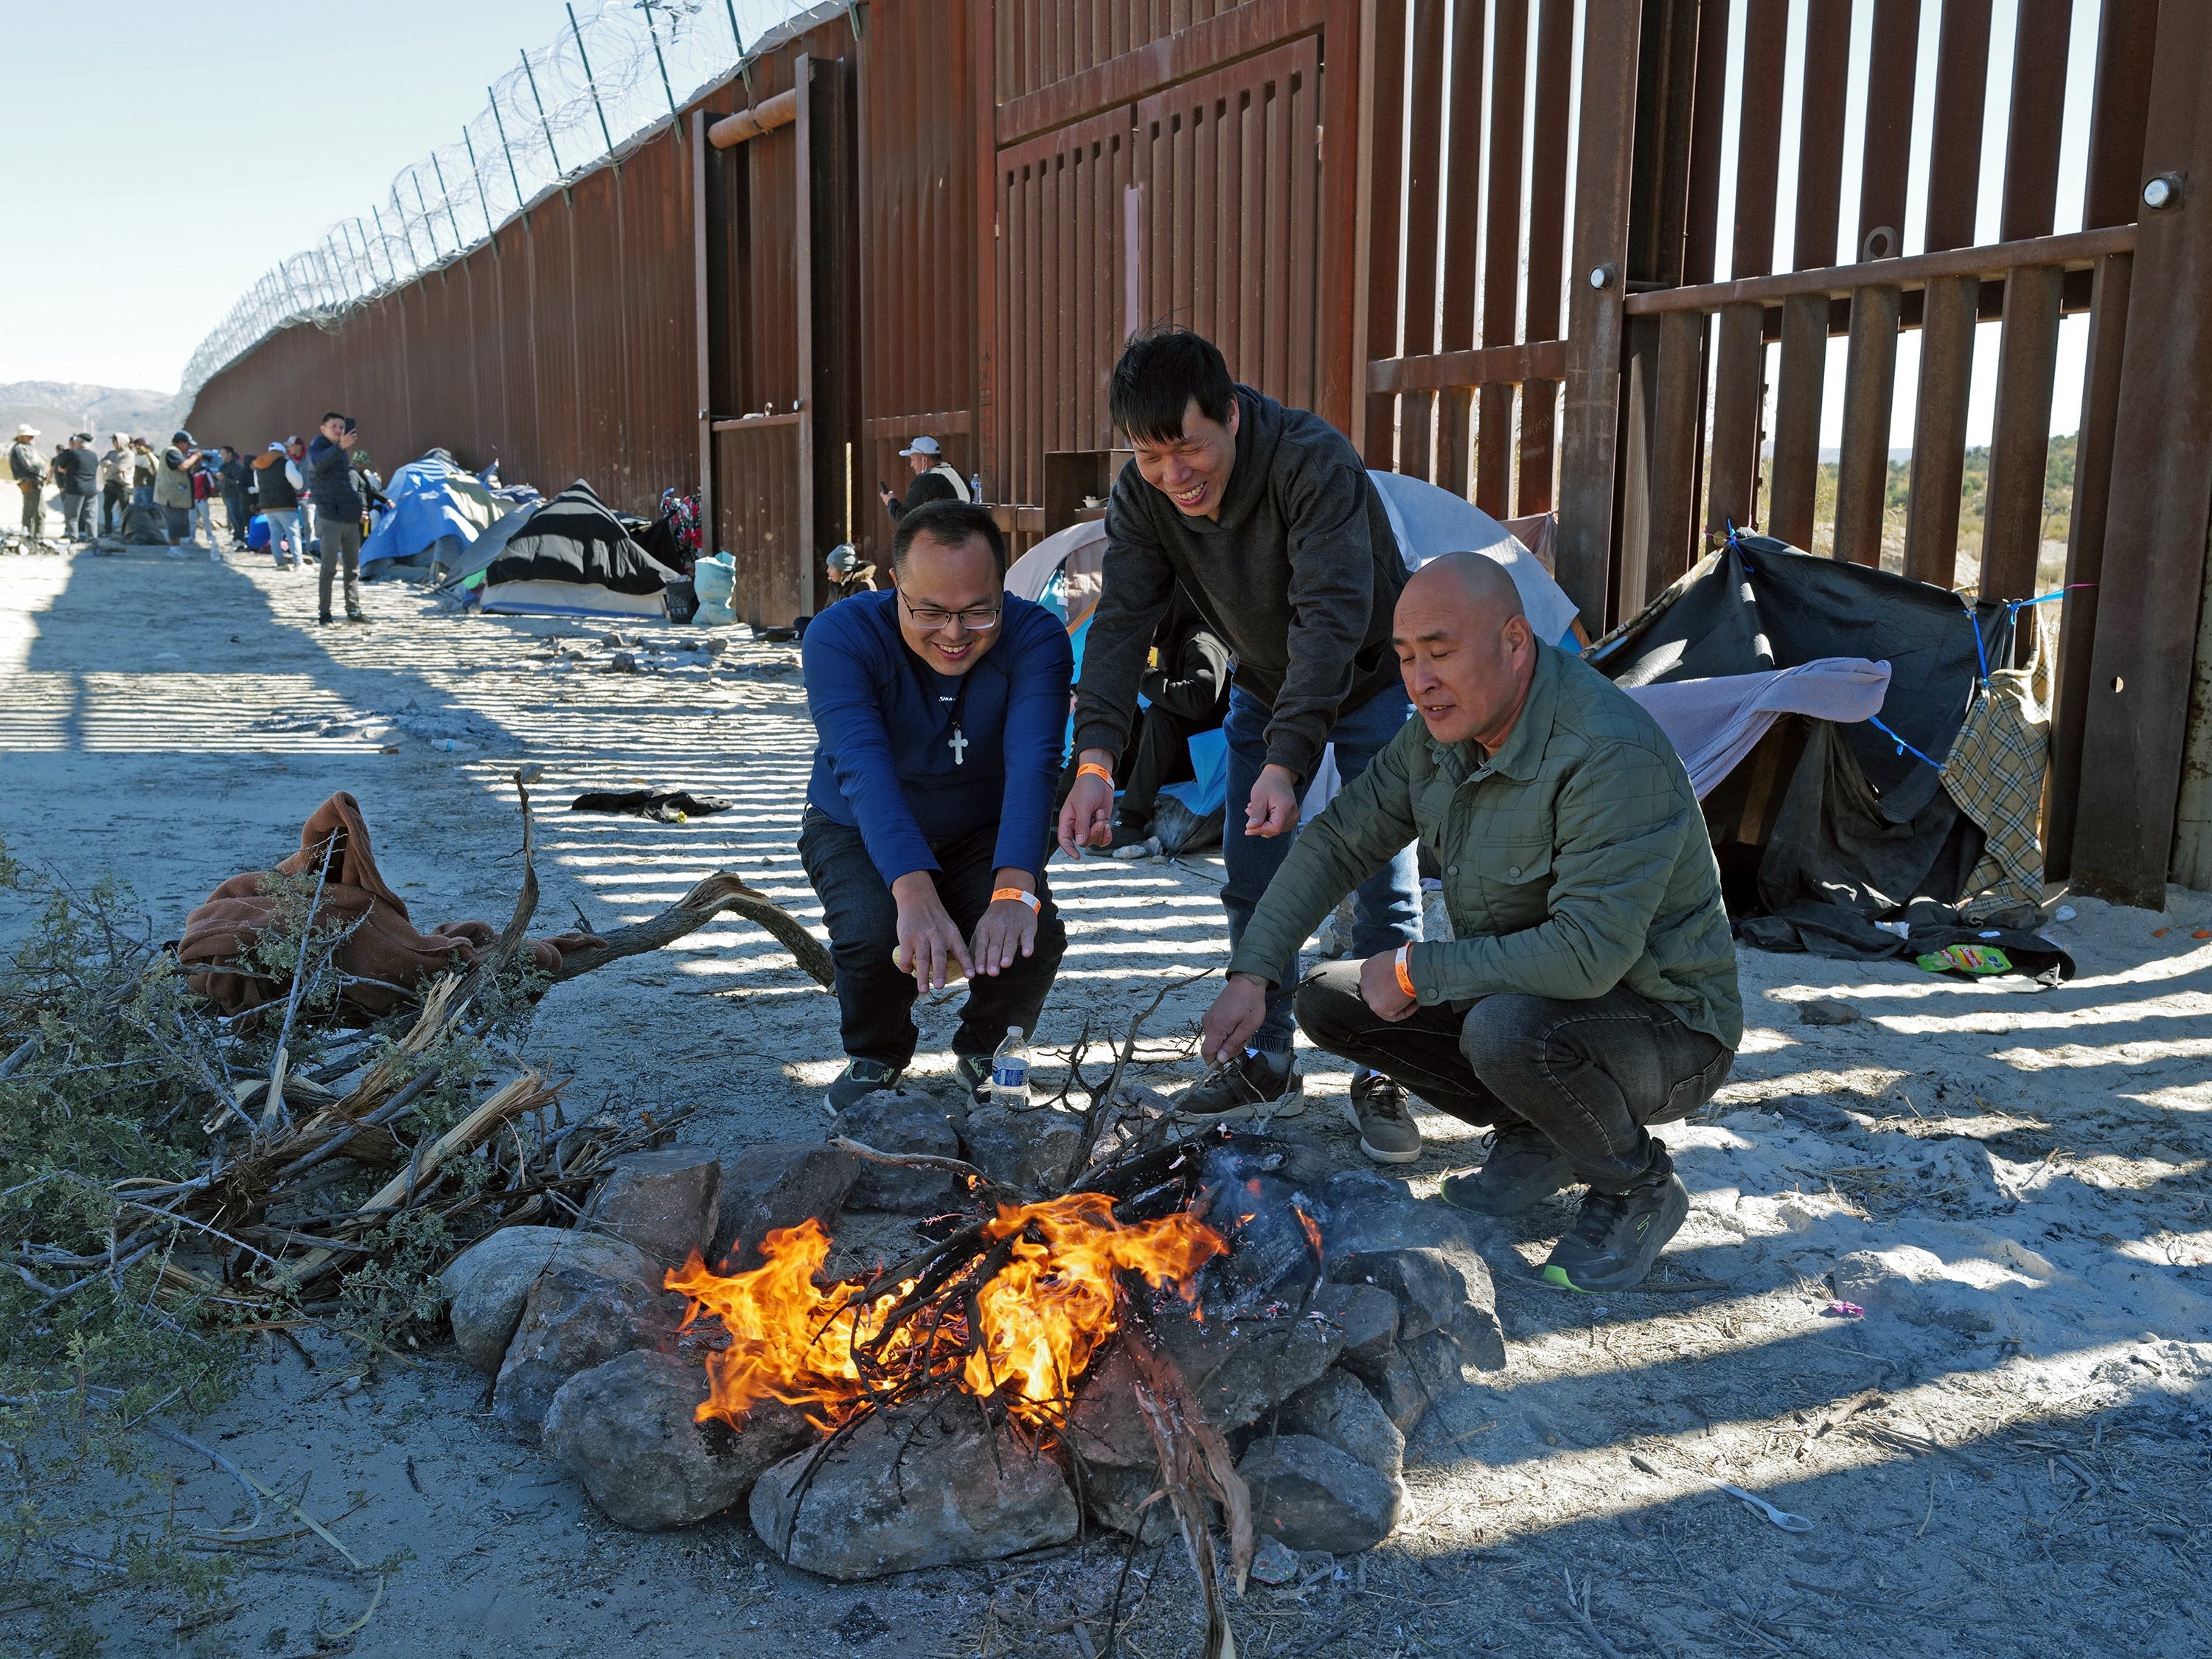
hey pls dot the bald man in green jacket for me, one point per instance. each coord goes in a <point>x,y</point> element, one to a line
<point>1589,989</point>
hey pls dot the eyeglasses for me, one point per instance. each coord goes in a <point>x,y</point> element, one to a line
<point>928,619</point>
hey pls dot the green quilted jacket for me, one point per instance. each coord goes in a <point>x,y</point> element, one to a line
<point>1574,860</point>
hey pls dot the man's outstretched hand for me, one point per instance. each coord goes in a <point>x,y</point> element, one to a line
<point>1234,1015</point>
<point>1086,818</point>
<point>929,946</point>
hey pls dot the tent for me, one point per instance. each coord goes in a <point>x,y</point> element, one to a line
<point>573,557</point>
<point>1857,810</point>
<point>472,562</point>
<point>437,510</point>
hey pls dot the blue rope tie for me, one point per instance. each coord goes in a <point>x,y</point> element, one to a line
<point>1902,747</point>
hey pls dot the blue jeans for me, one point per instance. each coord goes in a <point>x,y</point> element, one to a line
<point>1386,908</point>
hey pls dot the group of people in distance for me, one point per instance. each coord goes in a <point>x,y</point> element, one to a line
<point>1588,990</point>
<point>328,479</point>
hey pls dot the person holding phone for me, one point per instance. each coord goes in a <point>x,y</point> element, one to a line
<point>337,511</point>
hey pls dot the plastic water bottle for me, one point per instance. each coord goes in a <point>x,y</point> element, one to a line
<point>1009,1071</point>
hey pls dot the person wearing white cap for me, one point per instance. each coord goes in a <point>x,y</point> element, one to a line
<point>28,468</point>
<point>935,479</point>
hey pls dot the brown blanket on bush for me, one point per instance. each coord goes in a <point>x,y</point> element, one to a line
<point>386,948</point>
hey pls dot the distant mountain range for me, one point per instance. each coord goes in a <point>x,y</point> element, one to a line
<point>59,408</point>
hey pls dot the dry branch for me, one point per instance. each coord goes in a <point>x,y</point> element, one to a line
<point>708,899</point>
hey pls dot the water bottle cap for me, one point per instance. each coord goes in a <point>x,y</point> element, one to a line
<point>1013,1031</point>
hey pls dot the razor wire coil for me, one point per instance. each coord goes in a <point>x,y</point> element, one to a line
<point>611,73</point>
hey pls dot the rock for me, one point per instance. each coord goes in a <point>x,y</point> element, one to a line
<point>1413,1376</point>
<point>663,1202</point>
<point>779,1185</point>
<point>1115,1498</point>
<point>1028,1150</point>
<point>1827,1010</point>
<point>894,1120</point>
<point>1440,1281</point>
<point>908,1489</point>
<point>1273,1563</point>
<point>578,1317</point>
<point>628,1431</point>
<point>1238,1368</point>
<point>1106,1426</point>
<point>1368,1316</point>
<point>1339,1409</point>
<point>1307,1495</point>
<point>490,1280</point>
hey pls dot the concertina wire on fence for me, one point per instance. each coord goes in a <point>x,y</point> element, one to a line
<point>614,69</point>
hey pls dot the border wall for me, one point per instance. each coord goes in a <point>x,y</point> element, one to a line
<point>1485,239</point>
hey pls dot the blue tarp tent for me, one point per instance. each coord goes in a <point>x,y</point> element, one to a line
<point>437,510</point>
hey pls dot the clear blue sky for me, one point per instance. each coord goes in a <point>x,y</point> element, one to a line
<point>159,157</point>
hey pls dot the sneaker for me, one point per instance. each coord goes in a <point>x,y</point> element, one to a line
<point>325,620</point>
<point>974,1071</point>
<point>1525,1168</point>
<point>1377,1109</point>
<point>1618,1235</point>
<point>356,617</point>
<point>1244,1087</point>
<point>860,1078</point>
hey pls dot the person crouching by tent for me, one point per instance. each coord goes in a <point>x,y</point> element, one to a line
<point>1590,990</point>
<point>1266,517</point>
<point>940,708</point>
<point>338,512</point>
<point>1186,692</point>
<point>277,481</point>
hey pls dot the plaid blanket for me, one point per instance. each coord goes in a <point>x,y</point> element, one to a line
<point>1995,772</point>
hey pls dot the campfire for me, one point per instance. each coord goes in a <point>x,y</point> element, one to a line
<point>1010,1309</point>
<point>1224,1339</point>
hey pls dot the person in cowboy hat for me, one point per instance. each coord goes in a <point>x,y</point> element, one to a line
<point>28,468</point>
<point>935,479</point>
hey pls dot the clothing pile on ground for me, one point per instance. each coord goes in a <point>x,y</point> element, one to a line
<point>384,958</point>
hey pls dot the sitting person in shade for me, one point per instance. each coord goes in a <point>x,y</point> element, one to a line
<point>1590,990</point>
<point>940,708</point>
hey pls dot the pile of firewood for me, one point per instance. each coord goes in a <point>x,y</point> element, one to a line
<point>254,1224</point>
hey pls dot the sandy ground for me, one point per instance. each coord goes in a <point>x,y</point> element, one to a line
<point>2029,1165</point>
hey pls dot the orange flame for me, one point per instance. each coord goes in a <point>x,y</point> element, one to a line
<point>1039,1318</point>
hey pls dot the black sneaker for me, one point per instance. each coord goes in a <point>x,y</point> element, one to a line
<point>1524,1167</point>
<point>1244,1087</point>
<point>325,620</point>
<point>1377,1109</point>
<point>860,1078</point>
<point>1618,1235</point>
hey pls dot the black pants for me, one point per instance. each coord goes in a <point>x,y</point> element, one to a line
<point>1161,755</point>
<point>112,497</point>
<point>1590,1074</point>
<point>874,999</point>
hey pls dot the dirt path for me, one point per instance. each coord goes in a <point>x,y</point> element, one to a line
<point>2028,1168</point>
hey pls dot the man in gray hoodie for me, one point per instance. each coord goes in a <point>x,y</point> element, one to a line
<point>1266,517</point>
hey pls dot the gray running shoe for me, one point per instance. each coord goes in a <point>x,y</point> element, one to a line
<point>859,1078</point>
<point>1244,1087</point>
<point>1525,1168</point>
<point>974,1071</point>
<point>1377,1109</point>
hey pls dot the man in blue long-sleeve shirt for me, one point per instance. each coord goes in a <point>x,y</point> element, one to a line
<point>940,708</point>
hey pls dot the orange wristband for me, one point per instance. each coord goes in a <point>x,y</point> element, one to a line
<point>1092,769</point>
<point>1402,962</point>
<point>1029,899</point>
